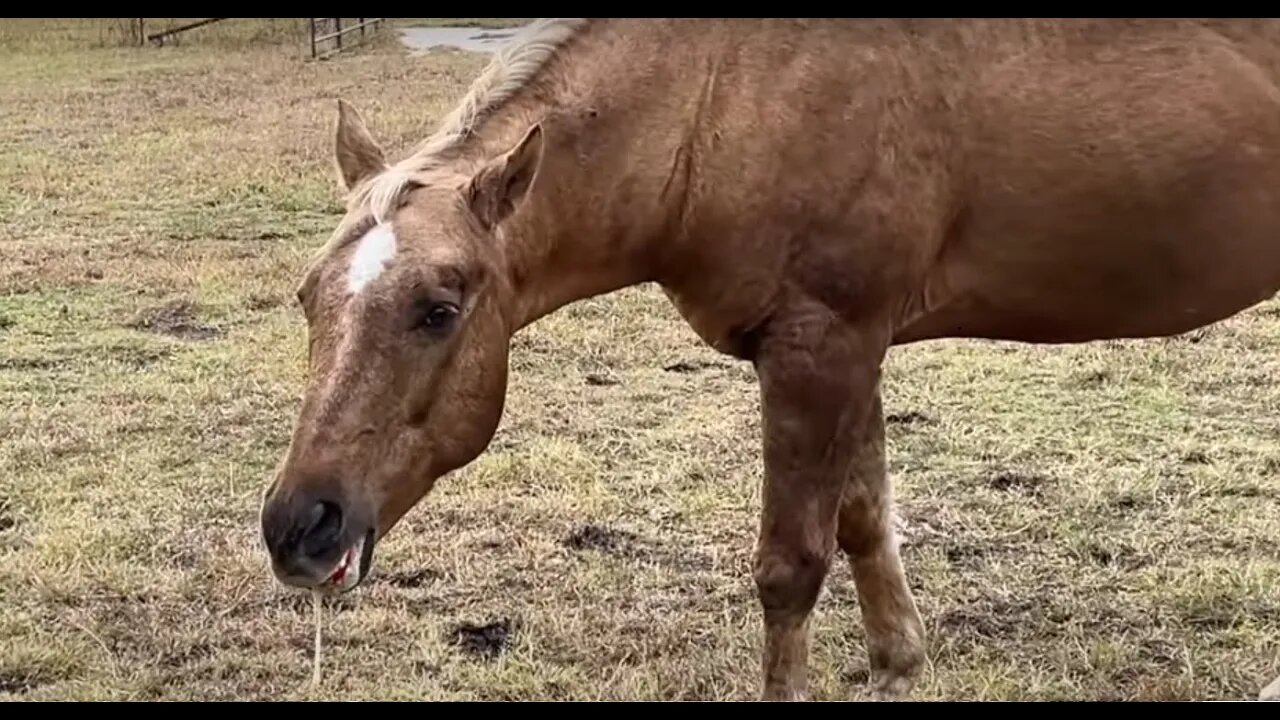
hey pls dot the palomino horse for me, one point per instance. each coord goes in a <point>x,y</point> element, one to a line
<point>808,194</point>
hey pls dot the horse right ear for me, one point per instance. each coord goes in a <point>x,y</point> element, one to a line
<point>357,155</point>
<point>499,187</point>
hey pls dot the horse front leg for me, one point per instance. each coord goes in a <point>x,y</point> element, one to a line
<point>818,377</point>
<point>895,634</point>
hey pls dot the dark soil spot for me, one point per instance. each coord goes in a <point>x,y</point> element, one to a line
<point>1113,619</point>
<point>429,669</point>
<point>1225,614</point>
<point>7,520</point>
<point>1122,556</point>
<point>992,619</point>
<point>1005,481</point>
<point>23,680</point>
<point>601,380</point>
<point>1257,380</point>
<point>1058,615</point>
<point>1092,379</point>
<point>32,363</point>
<point>256,301</point>
<point>1126,502</point>
<point>690,366</point>
<point>1101,555</point>
<point>139,358</point>
<point>1196,457</point>
<point>487,641</point>
<point>599,537</point>
<point>412,579</point>
<point>1121,678</point>
<point>7,322</point>
<point>185,656</point>
<point>176,319</point>
<point>966,555</point>
<point>1195,336</point>
<point>1162,652</point>
<point>1244,491</point>
<point>911,417</point>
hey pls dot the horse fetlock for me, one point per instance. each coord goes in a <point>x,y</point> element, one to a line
<point>896,660</point>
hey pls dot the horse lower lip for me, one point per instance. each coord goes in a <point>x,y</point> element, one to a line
<point>339,574</point>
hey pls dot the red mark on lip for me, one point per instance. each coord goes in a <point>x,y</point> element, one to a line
<point>341,573</point>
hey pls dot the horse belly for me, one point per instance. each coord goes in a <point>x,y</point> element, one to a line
<point>1034,302</point>
<point>1167,221</point>
<point>1156,273</point>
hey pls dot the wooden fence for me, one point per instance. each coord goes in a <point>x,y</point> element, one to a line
<point>159,37</point>
<point>135,29</point>
<point>332,31</point>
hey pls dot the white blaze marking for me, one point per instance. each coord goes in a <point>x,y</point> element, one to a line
<point>373,253</point>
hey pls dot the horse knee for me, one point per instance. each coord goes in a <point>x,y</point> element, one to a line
<point>790,582</point>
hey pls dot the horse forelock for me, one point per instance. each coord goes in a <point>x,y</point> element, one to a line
<point>510,70</point>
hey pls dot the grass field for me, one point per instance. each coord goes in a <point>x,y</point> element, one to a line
<point>1099,521</point>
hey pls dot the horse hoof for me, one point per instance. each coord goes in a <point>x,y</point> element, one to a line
<point>783,695</point>
<point>890,687</point>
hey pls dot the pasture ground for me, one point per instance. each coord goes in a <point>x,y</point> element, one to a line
<point>1099,521</point>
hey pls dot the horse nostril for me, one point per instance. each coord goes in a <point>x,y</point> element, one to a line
<point>324,526</point>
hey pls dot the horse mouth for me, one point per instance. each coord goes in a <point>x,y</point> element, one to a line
<point>352,567</point>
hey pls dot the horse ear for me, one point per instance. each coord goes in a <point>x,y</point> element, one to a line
<point>358,155</point>
<point>497,189</point>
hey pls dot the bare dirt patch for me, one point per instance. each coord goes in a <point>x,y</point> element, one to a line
<point>1009,480</point>
<point>486,641</point>
<point>692,366</point>
<point>176,318</point>
<point>910,417</point>
<point>600,537</point>
<point>23,680</point>
<point>410,578</point>
<point>8,520</point>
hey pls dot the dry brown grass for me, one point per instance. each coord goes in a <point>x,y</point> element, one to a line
<point>1086,522</point>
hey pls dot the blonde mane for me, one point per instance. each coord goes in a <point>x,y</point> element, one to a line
<point>510,70</point>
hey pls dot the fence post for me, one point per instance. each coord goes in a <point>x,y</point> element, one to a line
<point>319,34</point>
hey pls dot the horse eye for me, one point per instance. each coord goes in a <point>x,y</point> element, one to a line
<point>436,316</point>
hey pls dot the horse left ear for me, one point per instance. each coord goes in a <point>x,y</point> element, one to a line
<point>497,189</point>
<point>357,155</point>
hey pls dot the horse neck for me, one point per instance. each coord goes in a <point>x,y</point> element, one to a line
<point>598,217</point>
